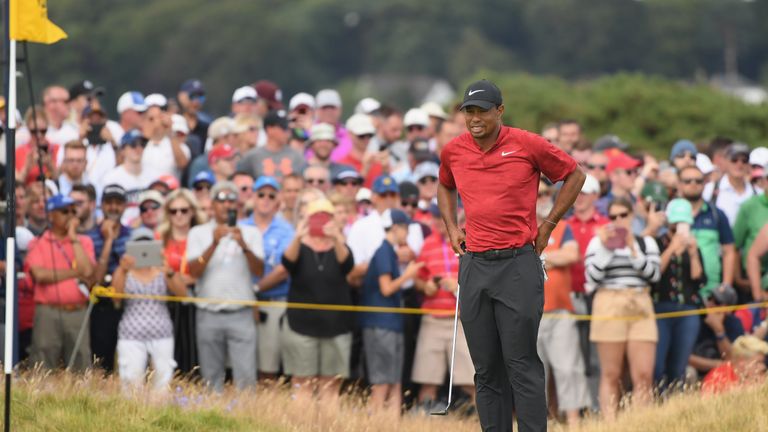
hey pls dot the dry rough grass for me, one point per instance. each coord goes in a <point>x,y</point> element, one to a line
<point>65,402</point>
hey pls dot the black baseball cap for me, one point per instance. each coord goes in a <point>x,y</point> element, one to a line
<point>273,118</point>
<point>483,94</point>
<point>84,87</point>
<point>114,191</point>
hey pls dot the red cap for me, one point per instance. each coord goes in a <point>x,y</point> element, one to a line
<point>221,151</point>
<point>621,160</point>
<point>270,92</point>
<point>169,180</point>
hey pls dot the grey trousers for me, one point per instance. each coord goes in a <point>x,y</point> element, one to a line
<point>501,306</point>
<point>54,335</point>
<point>227,335</point>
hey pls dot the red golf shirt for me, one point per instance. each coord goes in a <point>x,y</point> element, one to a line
<point>499,187</point>
<point>583,231</point>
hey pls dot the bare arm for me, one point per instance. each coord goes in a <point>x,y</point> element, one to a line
<point>758,249</point>
<point>447,201</point>
<point>84,266</point>
<point>729,263</point>
<point>274,278</point>
<point>566,255</point>
<point>197,266</point>
<point>49,276</point>
<point>103,262</point>
<point>564,201</point>
<point>703,364</point>
<point>697,270</point>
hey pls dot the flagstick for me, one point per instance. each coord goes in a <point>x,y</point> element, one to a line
<point>10,271</point>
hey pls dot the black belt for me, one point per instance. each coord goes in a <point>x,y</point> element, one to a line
<point>499,254</point>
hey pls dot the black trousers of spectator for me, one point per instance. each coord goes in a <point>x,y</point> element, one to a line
<point>411,325</point>
<point>502,299</point>
<point>105,318</point>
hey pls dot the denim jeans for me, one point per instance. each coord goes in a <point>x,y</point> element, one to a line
<point>677,337</point>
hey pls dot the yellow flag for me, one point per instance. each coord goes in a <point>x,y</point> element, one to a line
<point>29,22</point>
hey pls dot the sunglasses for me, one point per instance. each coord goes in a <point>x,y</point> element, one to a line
<point>413,204</point>
<point>148,207</point>
<point>271,196</point>
<point>600,167</point>
<point>685,155</point>
<point>388,195</point>
<point>175,211</point>
<point>301,111</point>
<point>201,187</point>
<point>42,131</point>
<point>136,144</point>
<point>365,136</point>
<point>744,160</point>
<point>67,211</point>
<point>225,196</point>
<point>415,128</point>
<point>616,216</point>
<point>315,181</point>
<point>427,179</point>
<point>698,181</point>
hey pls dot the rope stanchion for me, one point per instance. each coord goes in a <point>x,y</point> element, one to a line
<point>108,293</point>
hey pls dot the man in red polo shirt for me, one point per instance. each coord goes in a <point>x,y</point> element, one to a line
<point>496,170</point>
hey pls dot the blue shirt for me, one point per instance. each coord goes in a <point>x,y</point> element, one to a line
<point>118,245</point>
<point>384,261</point>
<point>712,231</point>
<point>277,237</point>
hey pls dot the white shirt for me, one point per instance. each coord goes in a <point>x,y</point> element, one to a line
<point>728,199</point>
<point>133,185</point>
<point>66,133</point>
<point>158,158</point>
<point>101,160</point>
<point>226,275</point>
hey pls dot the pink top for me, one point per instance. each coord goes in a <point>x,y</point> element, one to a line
<point>51,253</point>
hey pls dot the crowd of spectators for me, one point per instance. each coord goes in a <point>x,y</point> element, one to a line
<point>339,212</point>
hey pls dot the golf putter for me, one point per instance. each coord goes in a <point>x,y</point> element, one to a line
<point>453,356</point>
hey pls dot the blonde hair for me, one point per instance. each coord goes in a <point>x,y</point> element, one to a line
<point>338,198</point>
<point>747,346</point>
<point>198,216</point>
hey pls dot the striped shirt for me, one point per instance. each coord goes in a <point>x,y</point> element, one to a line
<point>617,269</point>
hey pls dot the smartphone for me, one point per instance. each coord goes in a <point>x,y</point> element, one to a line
<point>94,135</point>
<point>618,240</point>
<point>684,230</point>
<point>316,223</point>
<point>43,148</point>
<point>231,217</point>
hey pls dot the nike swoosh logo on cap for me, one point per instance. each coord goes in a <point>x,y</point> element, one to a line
<point>471,92</point>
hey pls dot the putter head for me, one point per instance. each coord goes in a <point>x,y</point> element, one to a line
<point>440,412</point>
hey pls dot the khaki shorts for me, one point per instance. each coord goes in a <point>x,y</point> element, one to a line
<point>307,356</point>
<point>620,303</point>
<point>433,353</point>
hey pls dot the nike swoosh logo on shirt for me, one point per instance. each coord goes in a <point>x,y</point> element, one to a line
<point>471,92</point>
<point>503,154</point>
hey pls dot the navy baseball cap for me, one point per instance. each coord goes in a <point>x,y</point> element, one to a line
<point>273,118</point>
<point>395,217</point>
<point>58,202</point>
<point>132,136</point>
<point>483,94</point>
<point>193,86</point>
<point>264,181</point>
<point>203,176</point>
<point>384,184</point>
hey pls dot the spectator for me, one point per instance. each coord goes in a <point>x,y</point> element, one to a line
<point>316,345</point>
<point>383,332</point>
<point>388,135</point>
<point>165,184</point>
<point>558,341</point>
<point>221,133</point>
<point>150,202</point>
<point>369,163</point>
<point>305,197</point>
<point>581,152</point>
<point>101,145</point>
<point>683,154</point>
<point>447,131</point>
<point>60,129</point>
<point>318,176</point>
<point>145,329</point>
<point>223,259</point>
<point>620,268</point>
<point>37,218</point>
<point>85,203</point>
<point>550,132</point>
<point>425,176</point>
<point>29,153</point>
<point>131,108</point>
<point>81,94</point>
<point>717,332</point>
<point>596,165</point>
<point>275,158</point>
<point>181,213</point>
<point>438,281</point>
<point>418,152</point>
<point>347,183</point>
<point>59,263</point>
<point>678,290</point>
<point>568,134</point>
<point>247,130</point>
<point>270,97</point>
<point>416,122</point>
<point>329,111</point>
<point>712,231</point>
<point>622,173</point>
<point>165,152</point>
<point>301,111</point>
<point>718,154</point>
<point>191,98</point>
<point>291,186</point>
<point>754,258</point>
<point>109,239</point>
<point>346,212</point>
<point>733,189</point>
<point>437,116</point>
<point>277,234</point>
<point>752,217</point>
<point>130,174</point>
<point>747,366</point>
<point>244,183</point>
<point>244,101</point>
<point>223,161</point>
<point>322,141</point>
<point>202,184</point>
<point>363,202</point>
<point>72,167</point>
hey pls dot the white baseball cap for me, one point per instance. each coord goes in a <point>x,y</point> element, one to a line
<point>322,132</point>
<point>300,99</point>
<point>220,127</point>
<point>416,117</point>
<point>758,156</point>
<point>367,106</point>
<point>156,99</point>
<point>591,185</point>
<point>328,97</point>
<point>131,100</point>
<point>704,163</point>
<point>360,124</point>
<point>244,92</point>
<point>434,110</point>
<point>179,124</point>
<point>364,194</point>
